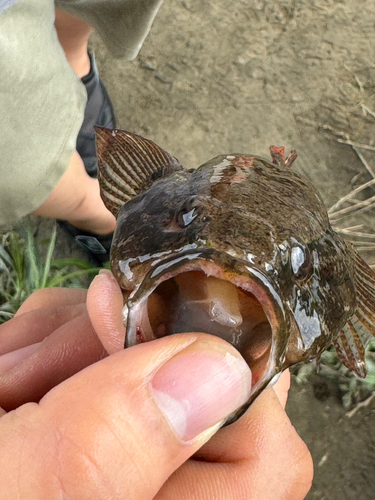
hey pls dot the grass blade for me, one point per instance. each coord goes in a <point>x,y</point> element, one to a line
<point>60,278</point>
<point>71,262</point>
<point>47,264</point>
<point>5,257</point>
<point>32,258</point>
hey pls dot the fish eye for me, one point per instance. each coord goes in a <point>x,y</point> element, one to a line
<point>184,217</point>
<point>188,211</point>
<point>301,262</point>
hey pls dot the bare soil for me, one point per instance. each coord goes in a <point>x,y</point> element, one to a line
<point>227,77</point>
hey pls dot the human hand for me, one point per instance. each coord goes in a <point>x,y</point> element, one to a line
<point>50,339</point>
<point>103,432</point>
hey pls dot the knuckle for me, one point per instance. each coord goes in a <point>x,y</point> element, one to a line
<point>78,473</point>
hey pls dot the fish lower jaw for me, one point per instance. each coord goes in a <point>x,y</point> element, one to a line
<point>192,301</point>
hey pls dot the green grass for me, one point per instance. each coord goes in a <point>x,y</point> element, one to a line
<point>351,389</point>
<point>27,265</point>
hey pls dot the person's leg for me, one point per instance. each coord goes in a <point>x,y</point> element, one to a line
<point>76,199</point>
<point>73,35</point>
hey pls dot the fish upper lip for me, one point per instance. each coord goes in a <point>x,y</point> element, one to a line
<point>163,266</point>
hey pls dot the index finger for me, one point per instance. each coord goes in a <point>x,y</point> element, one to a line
<point>53,297</point>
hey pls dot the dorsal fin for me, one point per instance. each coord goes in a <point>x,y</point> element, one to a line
<point>278,156</point>
<point>357,333</point>
<point>128,165</point>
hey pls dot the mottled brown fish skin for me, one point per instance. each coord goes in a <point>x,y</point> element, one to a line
<point>256,226</point>
<point>251,207</point>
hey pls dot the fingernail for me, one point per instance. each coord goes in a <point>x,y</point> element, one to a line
<point>14,358</point>
<point>200,387</point>
<point>106,272</point>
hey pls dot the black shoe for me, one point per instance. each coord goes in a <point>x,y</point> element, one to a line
<point>99,111</point>
<point>97,247</point>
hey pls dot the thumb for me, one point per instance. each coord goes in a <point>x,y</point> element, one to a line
<point>119,428</point>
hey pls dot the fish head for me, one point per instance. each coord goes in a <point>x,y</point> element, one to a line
<point>241,248</point>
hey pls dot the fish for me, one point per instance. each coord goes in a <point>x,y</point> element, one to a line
<point>240,247</point>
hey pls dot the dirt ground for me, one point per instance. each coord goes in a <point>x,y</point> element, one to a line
<point>225,77</point>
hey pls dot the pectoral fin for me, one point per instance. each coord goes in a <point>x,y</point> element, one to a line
<point>357,333</point>
<point>128,165</point>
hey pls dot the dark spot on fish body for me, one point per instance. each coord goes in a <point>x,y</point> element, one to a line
<point>258,170</point>
<point>305,300</point>
<point>220,191</point>
<point>328,241</point>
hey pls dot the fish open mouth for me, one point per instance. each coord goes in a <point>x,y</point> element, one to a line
<point>200,296</point>
<point>195,302</point>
